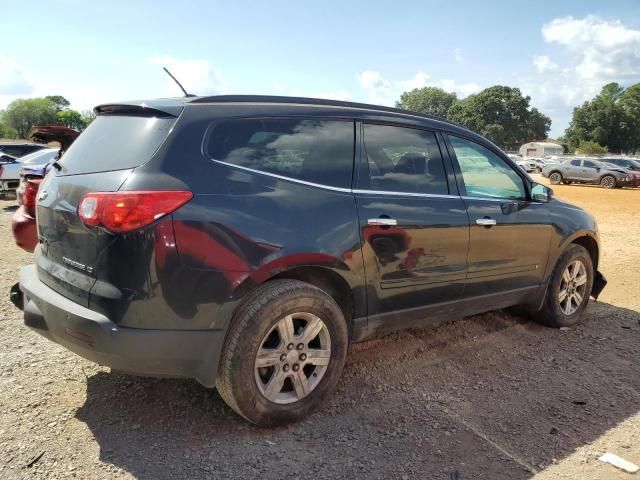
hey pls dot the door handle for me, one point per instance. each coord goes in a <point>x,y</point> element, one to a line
<point>486,222</point>
<point>382,222</point>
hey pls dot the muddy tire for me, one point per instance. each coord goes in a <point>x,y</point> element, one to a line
<point>569,289</point>
<point>283,354</point>
<point>555,178</point>
<point>608,181</point>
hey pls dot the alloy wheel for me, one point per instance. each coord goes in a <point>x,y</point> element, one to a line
<point>292,358</point>
<point>555,178</point>
<point>608,182</point>
<point>573,287</point>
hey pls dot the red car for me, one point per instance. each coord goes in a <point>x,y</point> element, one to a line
<point>23,222</point>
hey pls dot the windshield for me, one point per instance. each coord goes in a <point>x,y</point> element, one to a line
<point>611,165</point>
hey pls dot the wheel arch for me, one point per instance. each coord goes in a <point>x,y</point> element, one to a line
<point>590,245</point>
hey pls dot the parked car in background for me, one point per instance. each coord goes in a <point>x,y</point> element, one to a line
<point>586,170</point>
<point>225,239</point>
<point>23,223</point>
<point>526,164</point>
<point>6,159</point>
<point>631,164</point>
<point>10,172</point>
<point>18,150</point>
<point>64,136</point>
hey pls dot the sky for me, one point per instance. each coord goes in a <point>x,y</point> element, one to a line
<point>560,52</point>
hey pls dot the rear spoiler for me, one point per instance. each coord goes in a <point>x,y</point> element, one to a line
<point>140,109</point>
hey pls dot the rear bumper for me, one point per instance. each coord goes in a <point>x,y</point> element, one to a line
<point>25,232</point>
<point>173,353</point>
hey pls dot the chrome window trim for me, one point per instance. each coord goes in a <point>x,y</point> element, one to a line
<point>404,194</point>
<point>489,199</point>
<point>334,189</point>
<point>282,177</point>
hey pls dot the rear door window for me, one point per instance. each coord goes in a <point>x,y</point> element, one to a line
<point>404,160</point>
<point>316,151</point>
<point>116,142</point>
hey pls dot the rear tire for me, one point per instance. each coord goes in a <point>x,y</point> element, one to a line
<point>569,289</point>
<point>283,331</point>
<point>608,181</point>
<point>555,178</point>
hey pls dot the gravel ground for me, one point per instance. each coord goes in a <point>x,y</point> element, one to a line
<point>489,397</point>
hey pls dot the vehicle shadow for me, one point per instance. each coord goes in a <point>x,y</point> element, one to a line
<point>492,396</point>
<point>10,208</point>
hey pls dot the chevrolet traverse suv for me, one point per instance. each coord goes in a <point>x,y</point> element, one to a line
<point>245,241</point>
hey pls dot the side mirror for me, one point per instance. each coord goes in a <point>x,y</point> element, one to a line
<point>541,193</point>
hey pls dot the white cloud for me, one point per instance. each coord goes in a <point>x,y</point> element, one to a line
<point>595,52</point>
<point>420,80</point>
<point>457,55</point>
<point>13,78</point>
<point>544,64</point>
<point>196,76</point>
<point>381,91</point>
<point>372,79</point>
<point>461,89</point>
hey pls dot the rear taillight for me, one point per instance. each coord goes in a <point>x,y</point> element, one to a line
<point>125,211</point>
<point>29,193</point>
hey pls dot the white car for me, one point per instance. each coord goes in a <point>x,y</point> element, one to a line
<point>10,172</point>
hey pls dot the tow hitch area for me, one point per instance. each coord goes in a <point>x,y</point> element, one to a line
<point>16,296</point>
<point>599,282</point>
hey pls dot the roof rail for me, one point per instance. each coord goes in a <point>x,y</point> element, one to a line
<point>312,101</point>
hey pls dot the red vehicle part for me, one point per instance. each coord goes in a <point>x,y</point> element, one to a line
<point>23,223</point>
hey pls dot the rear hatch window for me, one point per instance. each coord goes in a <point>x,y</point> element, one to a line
<point>116,142</point>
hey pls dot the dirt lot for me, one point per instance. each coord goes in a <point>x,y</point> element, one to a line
<point>489,397</point>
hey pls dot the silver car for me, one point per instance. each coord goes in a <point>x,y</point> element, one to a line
<point>586,170</point>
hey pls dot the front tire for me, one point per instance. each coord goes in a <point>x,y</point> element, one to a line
<point>569,289</point>
<point>608,181</point>
<point>555,178</point>
<point>284,353</point>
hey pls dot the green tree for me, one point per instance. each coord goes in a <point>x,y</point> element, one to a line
<point>88,116</point>
<point>611,119</point>
<point>71,118</point>
<point>501,114</point>
<point>6,131</point>
<point>428,100</point>
<point>59,101</point>
<point>587,147</point>
<point>24,113</point>
<point>630,103</point>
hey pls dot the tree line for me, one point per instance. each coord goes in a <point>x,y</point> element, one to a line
<point>608,122</point>
<point>22,114</point>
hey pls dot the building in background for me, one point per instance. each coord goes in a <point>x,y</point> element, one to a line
<point>540,149</point>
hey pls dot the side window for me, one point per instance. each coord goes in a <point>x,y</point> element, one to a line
<point>575,163</point>
<point>590,164</point>
<point>318,151</point>
<point>485,174</point>
<point>404,160</point>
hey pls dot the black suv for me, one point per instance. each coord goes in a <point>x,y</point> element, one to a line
<point>245,241</point>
